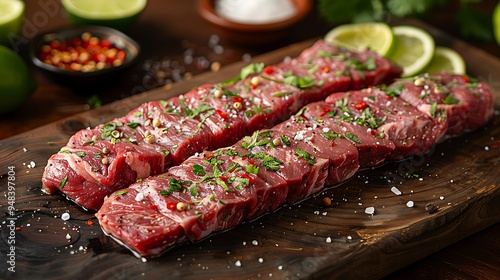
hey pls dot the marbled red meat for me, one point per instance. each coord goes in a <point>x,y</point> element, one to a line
<point>209,117</point>
<point>297,158</point>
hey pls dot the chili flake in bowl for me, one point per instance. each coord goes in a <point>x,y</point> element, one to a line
<point>84,56</point>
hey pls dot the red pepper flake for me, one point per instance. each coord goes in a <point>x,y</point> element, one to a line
<point>253,86</point>
<point>90,222</point>
<point>360,106</point>
<point>250,178</point>
<point>494,146</point>
<point>170,205</point>
<point>224,178</point>
<point>325,111</point>
<point>237,99</point>
<point>268,70</point>
<point>221,113</point>
<point>325,69</point>
<point>466,79</point>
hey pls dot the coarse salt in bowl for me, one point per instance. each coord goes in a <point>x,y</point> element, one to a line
<point>253,22</point>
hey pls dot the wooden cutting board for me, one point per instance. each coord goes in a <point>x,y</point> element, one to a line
<point>307,240</point>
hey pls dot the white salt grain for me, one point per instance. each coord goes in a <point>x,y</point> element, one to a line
<point>65,216</point>
<point>410,203</point>
<point>370,210</point>
<point>328,240</point>
<point>396,191</point>
<point>237,263</point>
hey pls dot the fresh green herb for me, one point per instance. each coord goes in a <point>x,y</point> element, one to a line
<point>193,190</point>
<point>450,100</point>
<point>133,124</point>
<point>331,135</point>
<point>253,68</point>
<point>305,155</point>
<point>81,154</point>
<point>395,90</point>
<point>252,169</point>
<point>199,170</point>
<point>352,137</point>
<point>63,182</point>
<point>137,114</point>
<point>121,192</point>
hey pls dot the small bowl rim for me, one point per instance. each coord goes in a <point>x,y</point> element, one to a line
<point>207,11</point>
<point>100,31</point>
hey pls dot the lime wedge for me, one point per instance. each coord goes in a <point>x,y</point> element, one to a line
<point>496,22</point>
<point>118,14</point>
<point>413,50</point>
<point>376,36</point>
<point>446,59</point>
<point>11,15</point>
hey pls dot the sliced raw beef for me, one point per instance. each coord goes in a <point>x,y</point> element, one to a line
<point>318,148</point>
<point>412,131</point>
<point>373,146</point>
<point>212,116</point>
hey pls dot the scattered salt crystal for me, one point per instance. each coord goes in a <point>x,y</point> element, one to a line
<point>25,150</point>
<point>68,236</point>
<point>255,242</point>
<point>261,260</point>
<point>370,210</point>
<point>237,263</point>
<point>349,237</point>
<point>328,240</point>
<point>139,197</point>
<point>65,216</point>
<point>441,197</point>
<point>451,181</point>
<point>280,267</point>
<point>396,191</point>
<point>143,259</point>
<point>410,203</point>
<point>486,148</point>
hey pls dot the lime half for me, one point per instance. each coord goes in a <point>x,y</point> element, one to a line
<point>413,50</point>
<point>11,15</point>
<point>119,14</point>
<point>376,36</point>
<point>446,59</point>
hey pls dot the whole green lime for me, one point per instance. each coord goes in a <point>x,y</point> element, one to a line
<point>16,83</point>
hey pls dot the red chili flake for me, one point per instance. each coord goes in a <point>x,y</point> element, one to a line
<point>250,178</point>
<point>221,113</point>
<point>325,69</point>
<point>268,70</point>
<point>325,111</point>
<point>360,106</point>
<point>253,86</point>
<point>237,99</point>
<point>18,228</point>
<point>90,222</point>
<point>223,178</point>
<point>494,146</point>
<point>117,197</point>
<point>466,79</point>
<point>170,205</point>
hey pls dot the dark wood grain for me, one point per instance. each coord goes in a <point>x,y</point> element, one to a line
<point>290,243</point>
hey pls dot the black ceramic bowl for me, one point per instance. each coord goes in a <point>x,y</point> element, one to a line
<point>102,77</point>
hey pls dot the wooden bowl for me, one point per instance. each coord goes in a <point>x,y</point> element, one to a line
<point>251,34</point>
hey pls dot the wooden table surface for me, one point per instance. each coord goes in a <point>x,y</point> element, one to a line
<point>168,31</point>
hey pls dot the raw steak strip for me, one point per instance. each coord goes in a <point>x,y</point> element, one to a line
<point>214,191</point>
<point>205,118</point>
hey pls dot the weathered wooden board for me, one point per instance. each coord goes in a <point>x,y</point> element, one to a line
<point>306,240</point>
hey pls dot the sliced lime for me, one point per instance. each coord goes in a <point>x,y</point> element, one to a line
<point>413,50</point>
<point>376,36</point>
<point>118,14</point>
<point>447,60</point>
<point>11,14</point>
